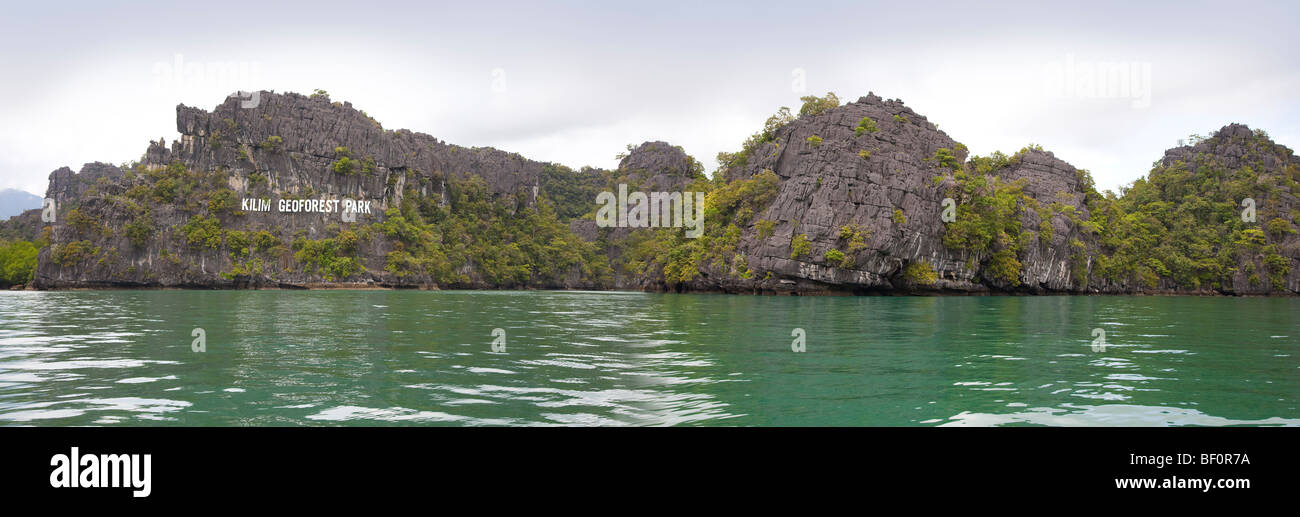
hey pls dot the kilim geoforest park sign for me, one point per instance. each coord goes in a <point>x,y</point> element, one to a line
<point>347,207</point>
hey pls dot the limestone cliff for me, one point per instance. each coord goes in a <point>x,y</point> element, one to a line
<point>289,146</point>
<point>865,197</point>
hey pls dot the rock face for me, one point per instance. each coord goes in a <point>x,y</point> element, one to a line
<point>1048,262</point>
<point>660,164</point>
<point>312,129</point>
<point>884,182</point>
<point>284,148</point>
<point>650,167</point>
<point>827,185</point>
<point>1266,174</point>
<point>891,183</point>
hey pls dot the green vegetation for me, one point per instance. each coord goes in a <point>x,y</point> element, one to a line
<point>344,165</point>
<point>17,262</point>
<point>263,241</point>
<point>347,165</point>
<point>237,241</point>
<point>140,230</point>
<point>246,268</point>
<point>740,158</point>
<point>800,246</point>
<point>222,201</point>
<point>573,193</point>
<point>729,207</point>
<point>944,158</point>
<point>866,125</point>
<point>202,232</point>
<point>1045,229</point>
<point>326,257</point>
<point>164,191</point>
<point>1005,267</point>
<point>1181,226</point>
<point>505,246</point>
<point>855,236</point>
<point>988,224</point>
<point>1279,227</point>
<point>988,217</point>
<point>173,184</point>
<point>72,253</point>
<point>814,105</point>
<point>920,273</point>
<point>1278,268</point>
<point>273,144</point>
<point>84,224</point>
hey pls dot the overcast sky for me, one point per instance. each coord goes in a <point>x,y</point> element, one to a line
<point>575,82</point>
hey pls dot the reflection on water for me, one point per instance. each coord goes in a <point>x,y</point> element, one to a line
<point>595,358</point>
<point>1107,415</point>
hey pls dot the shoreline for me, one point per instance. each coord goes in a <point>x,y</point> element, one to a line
<point>826,293</point>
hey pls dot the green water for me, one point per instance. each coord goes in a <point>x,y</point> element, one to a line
<point>276,358</point>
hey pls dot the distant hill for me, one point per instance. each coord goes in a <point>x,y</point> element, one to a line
<point>14,202</point>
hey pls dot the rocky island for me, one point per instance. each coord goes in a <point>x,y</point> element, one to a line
<point>864,197</point>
